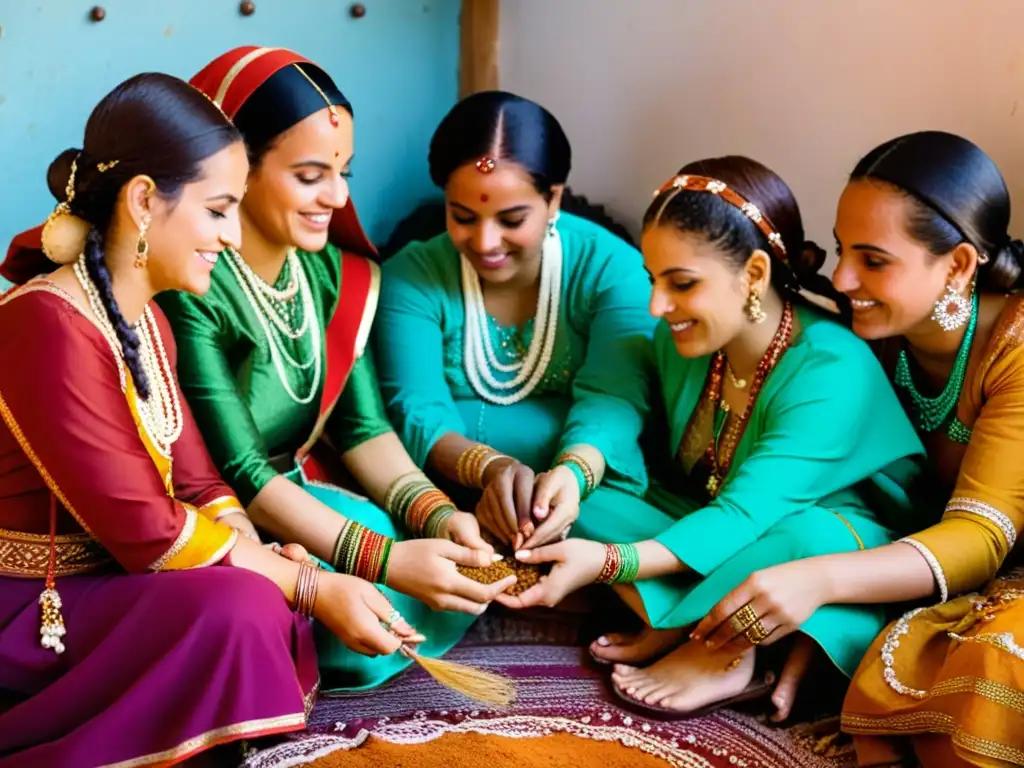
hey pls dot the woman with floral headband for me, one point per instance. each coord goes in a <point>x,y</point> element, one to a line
<point>786,440</point>
<point>166,629</point>
<point>925,258</point>
<point>272,364</point>
<point>514,348</point>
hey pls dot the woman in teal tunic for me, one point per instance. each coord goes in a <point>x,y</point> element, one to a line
<point>514,349</point>
<point>271,362</point>
<point>786,440</point>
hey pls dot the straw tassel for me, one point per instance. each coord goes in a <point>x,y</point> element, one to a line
<point>476,684</point>
<point>52,629</point>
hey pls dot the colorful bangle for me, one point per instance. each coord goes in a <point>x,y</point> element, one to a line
<point>361,552</point>
<point>621,564</point>
<point>579,467</point>
<point>306,589</point>
<point>418,505</point>
<point>470,468</point>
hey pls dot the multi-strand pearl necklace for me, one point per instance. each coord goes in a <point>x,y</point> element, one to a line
<point>160,413</point>
<point>480,357</point>
<point>262,297</point>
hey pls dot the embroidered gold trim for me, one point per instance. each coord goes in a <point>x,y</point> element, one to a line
<point>933,563</point>
<point>848,524</point>
<point>1001,694</point>
<point>27,555</point>
<point>252,728</point>
<point>187,531</point>
<point>235,71</point>
<point>1004,641</point>
<point>990,513</point>
<point>369,310</point>
<point>932,722</point>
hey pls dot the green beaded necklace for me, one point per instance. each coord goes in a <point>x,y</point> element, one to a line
<point>930,413</point>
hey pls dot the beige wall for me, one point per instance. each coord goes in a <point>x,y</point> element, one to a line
<point>804,86</point>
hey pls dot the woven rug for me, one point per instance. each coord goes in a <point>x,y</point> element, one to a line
<point>563,697</point>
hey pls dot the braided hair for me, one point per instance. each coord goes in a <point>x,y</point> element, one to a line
<point>154,125</point>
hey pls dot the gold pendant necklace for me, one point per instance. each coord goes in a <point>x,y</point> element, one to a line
<point>736,382</point>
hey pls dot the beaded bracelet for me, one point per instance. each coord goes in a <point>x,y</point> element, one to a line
<point>621,564</point>
<point>306,589</point>
<point>418,505</point>
<point>362,552</point>
<point>469,469</point>
<point>584,474</point>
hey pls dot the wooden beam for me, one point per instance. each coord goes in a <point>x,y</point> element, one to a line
<point>478,64</point>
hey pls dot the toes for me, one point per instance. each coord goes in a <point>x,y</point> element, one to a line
<point>624,670</point>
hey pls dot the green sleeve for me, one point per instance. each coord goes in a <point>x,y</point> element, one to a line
<point>830,425</point>
<point>359,414</point>
<point>202,332</point>
<point>410,352</point>
<point>611,390</point>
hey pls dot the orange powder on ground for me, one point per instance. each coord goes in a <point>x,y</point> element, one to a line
<point>472,750</point>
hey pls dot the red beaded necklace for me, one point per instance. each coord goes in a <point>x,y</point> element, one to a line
<point>726,448</point>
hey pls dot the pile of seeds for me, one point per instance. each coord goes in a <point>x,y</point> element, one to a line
<point>527,574</point>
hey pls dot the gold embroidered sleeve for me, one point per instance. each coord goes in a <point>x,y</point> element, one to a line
<point>986,514</point>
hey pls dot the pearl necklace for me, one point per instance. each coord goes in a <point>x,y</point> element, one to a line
<point>160,413</point>
<point>480,357</point>
<point>259,295</point>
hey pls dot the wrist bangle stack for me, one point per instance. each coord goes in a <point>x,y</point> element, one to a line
<point>306,589</point>
<point>582,470</point>
<point>362,552</point>
<point>470,468</point>
<point>418,505</point>
<point>621,564</point>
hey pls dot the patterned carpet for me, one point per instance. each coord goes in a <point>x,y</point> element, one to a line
<point>560,692</point>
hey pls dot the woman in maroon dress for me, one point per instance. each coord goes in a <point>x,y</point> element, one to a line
<point>165,628</point>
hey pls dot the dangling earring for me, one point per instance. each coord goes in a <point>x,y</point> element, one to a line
<point>951,310</point>
<point>551,224</point>
<point>142,244</point>
<point>754,309</point>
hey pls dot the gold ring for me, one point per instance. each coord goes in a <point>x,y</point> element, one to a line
<point>756,632</point>
<point>742,619</point>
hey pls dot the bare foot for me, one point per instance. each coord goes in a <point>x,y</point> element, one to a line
<point>642,646</point>
<point>689,678</point>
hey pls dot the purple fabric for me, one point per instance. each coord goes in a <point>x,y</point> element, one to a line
<point>158,663</point>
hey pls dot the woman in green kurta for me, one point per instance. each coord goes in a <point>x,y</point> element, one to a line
<point>271,362</point>
<point>514,349</point>
<point>786,441</point>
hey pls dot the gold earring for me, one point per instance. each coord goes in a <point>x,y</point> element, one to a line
<point>754,309</point>
<point>142,244</point>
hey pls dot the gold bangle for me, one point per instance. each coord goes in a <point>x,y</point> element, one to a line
<point>306,589</point>
<point>579,461</point>
<point>488,460</point>
<point>465,467</point>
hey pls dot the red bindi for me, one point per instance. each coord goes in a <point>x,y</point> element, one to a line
<point>484,198</point>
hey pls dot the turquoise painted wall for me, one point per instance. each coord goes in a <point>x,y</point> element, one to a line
<point>398,65</point>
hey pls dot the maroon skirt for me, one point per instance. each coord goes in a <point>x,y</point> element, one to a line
<point>157,668</point>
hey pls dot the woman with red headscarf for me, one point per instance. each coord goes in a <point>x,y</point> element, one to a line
<point>272,363</point>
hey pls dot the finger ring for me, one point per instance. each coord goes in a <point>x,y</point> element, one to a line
<point>391,620</point>
<point>742,619</point>
<point>756,632</point>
